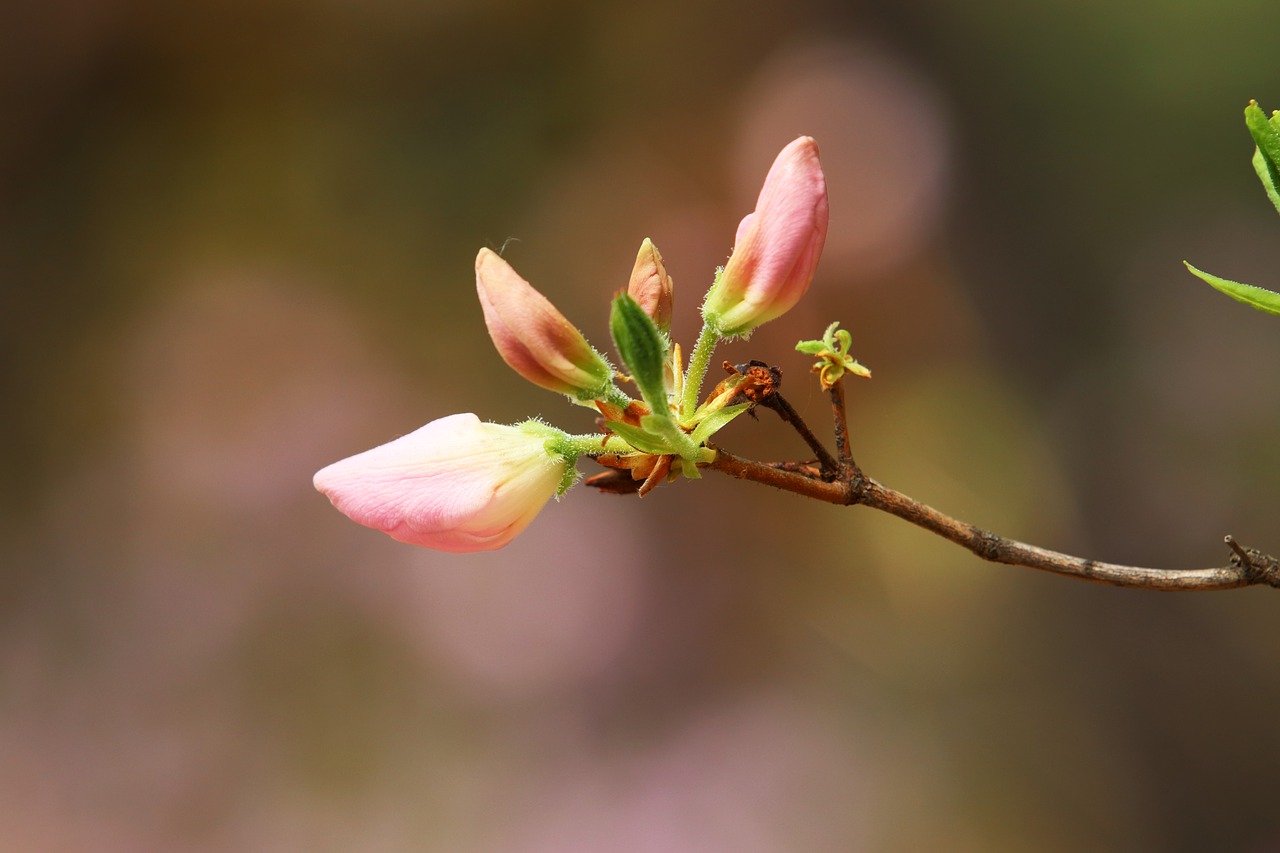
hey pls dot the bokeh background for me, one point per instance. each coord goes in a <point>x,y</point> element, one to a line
<point>236,244</point>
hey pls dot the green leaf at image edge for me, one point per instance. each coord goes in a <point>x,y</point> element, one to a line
<point>1257,297</point>
<point>1266,157</point>
<point>1269,175</point>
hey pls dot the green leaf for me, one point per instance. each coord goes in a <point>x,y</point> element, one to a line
<point>1269,175</point>
<point>1266,158</point>
<point>642,349</point>
<point>717,421</point>
<point>1265,130</point>
<point>1258,297</point>
<point>811,347</point>
<point>642,440</point>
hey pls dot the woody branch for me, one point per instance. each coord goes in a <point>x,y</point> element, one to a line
<point>1247,567</point>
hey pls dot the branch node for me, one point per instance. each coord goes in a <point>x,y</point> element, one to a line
<point>788,414</point>
<point>856,485</point>
<point>986,544</point>
<point>1257,566</point>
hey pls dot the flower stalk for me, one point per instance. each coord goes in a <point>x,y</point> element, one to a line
<point>699,362</point>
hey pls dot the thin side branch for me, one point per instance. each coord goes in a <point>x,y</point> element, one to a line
<point>843,448</point>
<point>1247,567</point>
<point>790,416</point>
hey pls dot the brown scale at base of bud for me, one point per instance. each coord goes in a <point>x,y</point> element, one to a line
<point>614,482</point>
<point>634,473</point>
<point>630,415</point>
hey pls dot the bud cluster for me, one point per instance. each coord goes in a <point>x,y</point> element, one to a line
<point>459,484</point>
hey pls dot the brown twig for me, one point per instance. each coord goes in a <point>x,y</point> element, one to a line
<point>840,416</point>
<point>758,383</point>
<point>1248,567</point>
<point>789,415</point>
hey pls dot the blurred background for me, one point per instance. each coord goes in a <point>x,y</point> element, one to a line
<point>236,244</point>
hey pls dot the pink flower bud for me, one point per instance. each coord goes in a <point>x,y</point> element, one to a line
<point>456,484</point>
<point>533,337</point>
<point>777,247</point>
<point>651,287</point>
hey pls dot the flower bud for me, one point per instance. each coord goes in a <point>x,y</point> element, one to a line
<point>456,484</point>
<point>777,246</point>
<point>651,287</point>
<point>533,337</point>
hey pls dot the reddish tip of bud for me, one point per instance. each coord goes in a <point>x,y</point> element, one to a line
<point>650,285</point>
<point>778,245</point>
<point>533,337</point>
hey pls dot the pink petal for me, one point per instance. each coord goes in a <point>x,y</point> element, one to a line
<point>456,484</point>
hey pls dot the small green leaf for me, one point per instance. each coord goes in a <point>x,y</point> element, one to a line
<point>717,421</point>
<point>645,442</point>
<point>1266,159</point>
<point>1258,297</point>
<point>834,360</point>
<point>1269,175</point>
<point>1265,131</point>
<point>642,349</point>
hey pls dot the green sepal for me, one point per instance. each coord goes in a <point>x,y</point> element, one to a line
<point>689,467</point>
<point>557,443</point>
<point>1257,297</point>
<point>659,436</point>
<point>640,439</point>
<point>571,476</point>
<point>1266,158</point>
<point>643,349</point>
<point>716,421</point>
<point>676,439</point>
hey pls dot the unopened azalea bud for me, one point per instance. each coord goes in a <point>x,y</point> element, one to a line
<point>534,338</point>
<point>651,287</point>
<point>777,246</point>
<point>456,484</point>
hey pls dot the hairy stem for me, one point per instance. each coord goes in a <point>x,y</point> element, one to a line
<point>614,396</point>
<point>595,445</point>
<point>699,361</point>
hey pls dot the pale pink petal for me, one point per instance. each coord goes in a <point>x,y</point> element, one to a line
<point>456,484</point>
